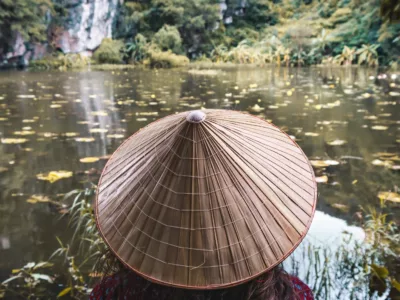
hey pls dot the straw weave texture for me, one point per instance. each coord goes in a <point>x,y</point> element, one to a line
<point>206,205</point>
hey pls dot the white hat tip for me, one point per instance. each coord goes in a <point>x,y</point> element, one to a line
<point>196,116</point>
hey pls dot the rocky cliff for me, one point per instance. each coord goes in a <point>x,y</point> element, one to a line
<point>81,27</point>
<point>86,24</point>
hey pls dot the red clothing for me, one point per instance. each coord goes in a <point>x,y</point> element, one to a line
<point>131,287</point>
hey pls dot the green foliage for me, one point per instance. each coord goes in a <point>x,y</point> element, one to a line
<point>136,51</point>
<point>28,17</point>
<point>168,38</point>
<point>368,54</point>
<point>60,62</point>
<point>165,59</point>
<point>110,51</point>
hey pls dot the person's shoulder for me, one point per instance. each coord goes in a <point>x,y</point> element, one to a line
<point>106,286</point>
<point>302,290</point>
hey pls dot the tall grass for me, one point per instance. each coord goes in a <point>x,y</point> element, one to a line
<point>349,270</point>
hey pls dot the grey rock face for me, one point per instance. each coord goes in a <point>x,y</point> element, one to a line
<point>86,24</point>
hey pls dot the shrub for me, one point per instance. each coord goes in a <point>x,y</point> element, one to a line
<point>165,59</point>
<point>109,52</point>
<point>168,38</point>
<point>60,62</point>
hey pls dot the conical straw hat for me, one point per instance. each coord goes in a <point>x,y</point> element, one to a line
<point>205,199</point>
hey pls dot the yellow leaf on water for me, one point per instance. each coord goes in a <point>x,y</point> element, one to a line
<point>323,163</point>
<point>85,139</point>
<point>379,127</point>
<point>322,179</point>
<point>38,198</point>
<point>99,113</point>
<point>13,141</point>
<point>89,159</point>
<point>54,176</point>
<point>24,132</point>
<point>253,85</point>
<point>55,105</point>
<point>71,134</point>
<point>354,181</point>
<point>256,108</point>
<point>115,136</point>
<point>311,134</point>
<point>98,130</point>
<point>289,93</point>
<point>389,196</point>
<point>153,96</point>
<point>336,143</point>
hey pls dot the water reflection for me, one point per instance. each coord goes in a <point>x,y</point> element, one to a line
<point>66,117</point>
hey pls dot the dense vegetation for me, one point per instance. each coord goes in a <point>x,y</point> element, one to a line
<point>288,32</point>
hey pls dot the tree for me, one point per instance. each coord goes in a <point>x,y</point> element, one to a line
<point>168,38</point>
<point>28,17</point>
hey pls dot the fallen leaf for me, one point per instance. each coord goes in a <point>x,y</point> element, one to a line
<point>323,163</point>
<point>38,198</point>
<point>24,132</point>
<point>337,143</point>
<point>98,130</point>
<point>89,159</point>
<point>321,179</point>
<point>256,108</point>
<point>13,141</point>
<point>311,134</point>
<point>379,127</point>
<point>54,176</point>
<point>85,139</point>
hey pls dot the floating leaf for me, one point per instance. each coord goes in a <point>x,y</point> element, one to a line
<point>289,93</point>
<point>311,134</point>
<point>26,96</point>
<point>253,85</point>
<point>89,159</point>
<point>115,136</point>
<point>54,176</point>
<point>322,179</point>
<point>85,139</point>
<point>98,130</point>
<point>24,132</point>
<point>71,134</point>
<point>55,105</point>
<point>389,196</point>
<point>394,94</point>
<point>100,113</point>
<point>385,163</point>
<point>337,143</point>
<point>13,141</point>
<point>324,163</point>
<point>379,127</point>
<point>256,108</point>
<point>38,198</point>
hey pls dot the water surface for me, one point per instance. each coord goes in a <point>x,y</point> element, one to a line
<point>345,119</point>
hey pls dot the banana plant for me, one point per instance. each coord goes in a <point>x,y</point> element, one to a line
<point>368,55</point>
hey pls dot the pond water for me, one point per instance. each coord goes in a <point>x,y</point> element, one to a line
<point>345,119</point>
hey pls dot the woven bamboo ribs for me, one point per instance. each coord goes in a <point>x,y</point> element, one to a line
<point>206,199</point>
